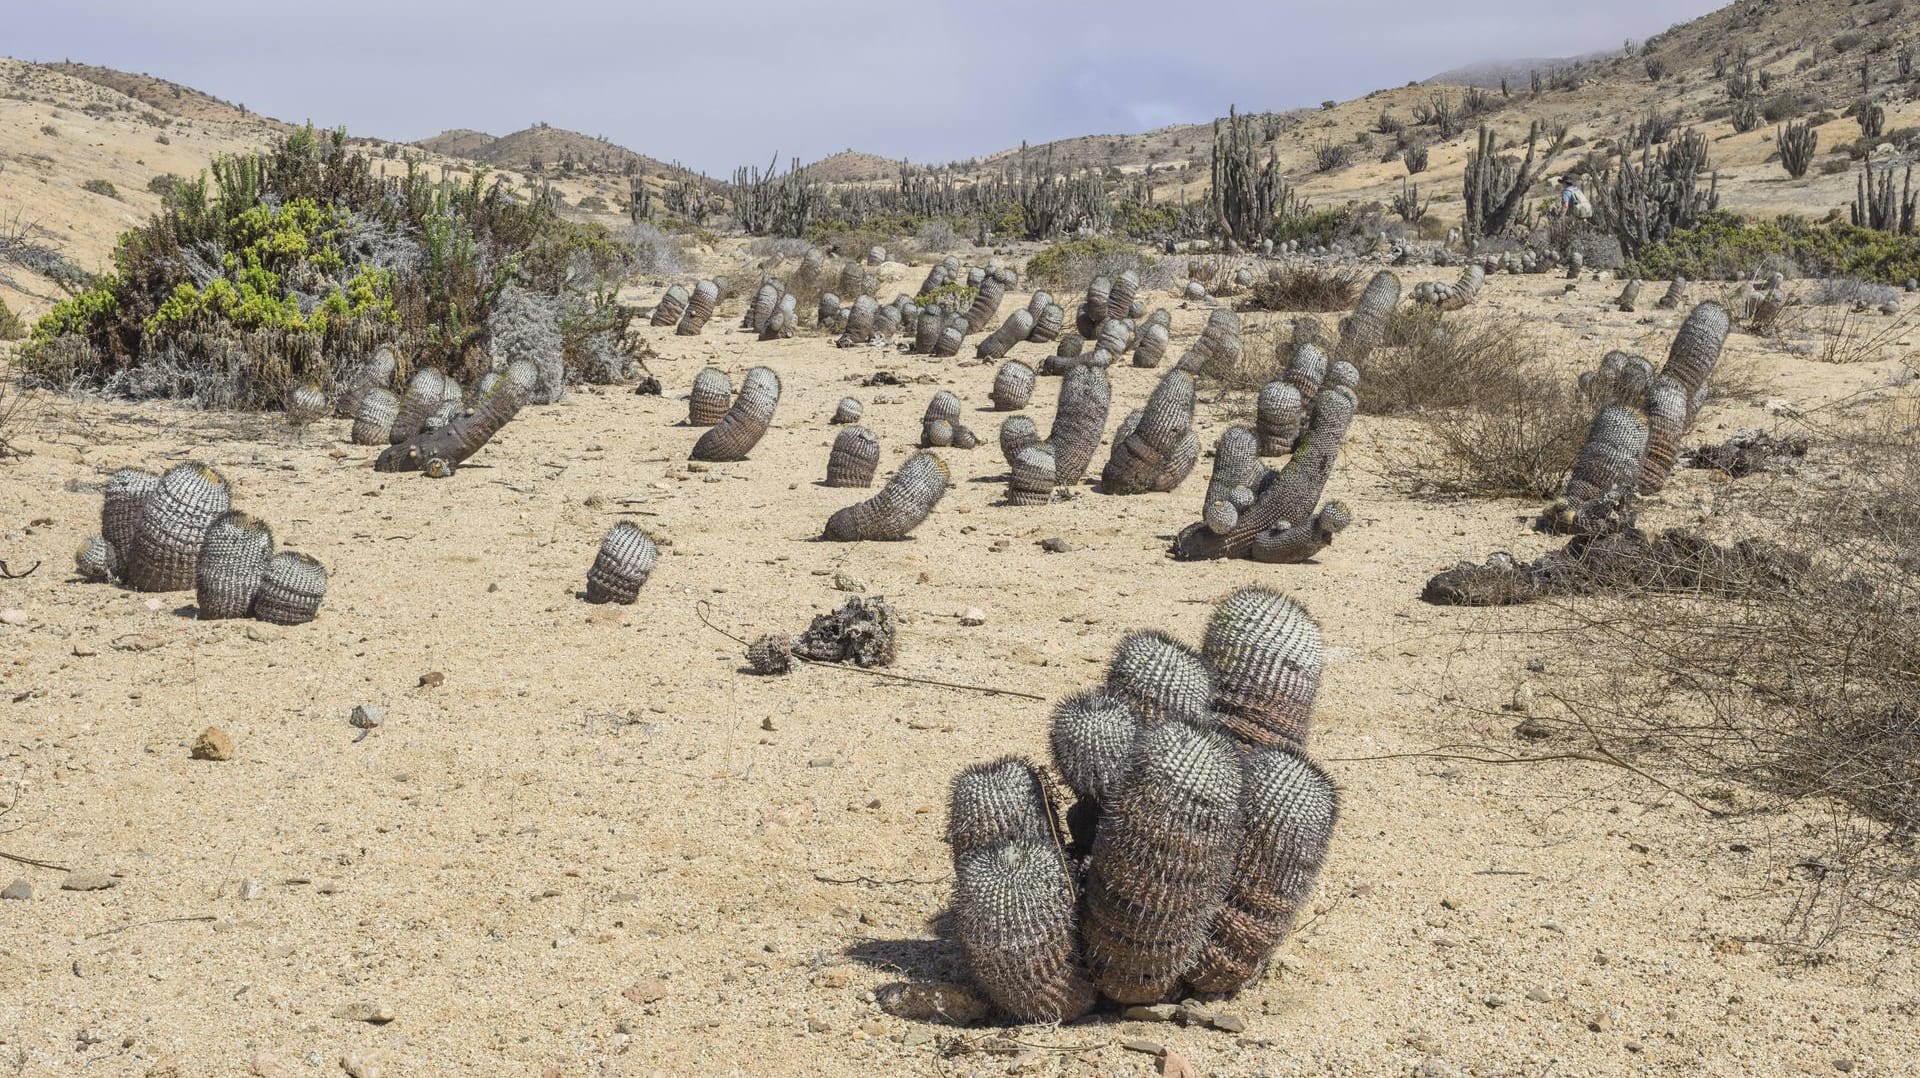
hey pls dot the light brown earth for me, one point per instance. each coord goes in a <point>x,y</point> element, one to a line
<point>599,848</point>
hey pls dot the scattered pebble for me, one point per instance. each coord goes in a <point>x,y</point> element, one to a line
<point>20,890</point>
<point>13,617</point>
<point>1056,545</point>
<point>646,990</point>
<point>1151,1048</point>
<point>378,1014</point>
<point>432,679</point>
<point>973,615</point>
<point>89,880</point>
<point>361,1063</point>
<point>939,1002</point>
<point>212,744</point>
<point>368,717</point>
<point>1540,995</point>
<point>1152,1012</point>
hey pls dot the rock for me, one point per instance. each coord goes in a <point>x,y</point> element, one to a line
<point>819,1025</point>
<point>212,744</point>
<point>1540,995</point>
<point>89,880</point>
<point>646,990</point>
<point>13,617</point>
<point>1175,1065</point>
<point>1229,1023</point>
<point>1154,1012</point>
<point>1523,699</point>
<point>973,615</point>
<point>1150,1048</point>
<point>433,679</point>
<point>138,642</point>
<point>1056,545</point>
<point>937,1002</point>
<point>20,890</point>
<point>367,717</point>
<point>250,889</point>
<point>266,1066</point>
<point>262,633</point>
<point>362,1063</point>
<point>845,581</point>
<point>378,1014</point>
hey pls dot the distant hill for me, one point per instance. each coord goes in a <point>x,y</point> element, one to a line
<point>554,150</point>
<point>161,95</point>
<point>853,166</point>
<point>1488,73</point>
<point>459,142</point>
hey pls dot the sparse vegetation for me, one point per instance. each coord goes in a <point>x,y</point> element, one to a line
<point>101,187</point>
<point>1070,264</point>
<point>1305,288</point>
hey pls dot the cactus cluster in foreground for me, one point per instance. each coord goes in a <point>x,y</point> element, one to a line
<point>1198,831</point>
<point>178,531</point>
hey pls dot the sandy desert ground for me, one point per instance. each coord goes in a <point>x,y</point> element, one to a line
<point>597,847</point>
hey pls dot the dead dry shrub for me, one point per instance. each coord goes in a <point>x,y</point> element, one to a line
<point>1303,288</point>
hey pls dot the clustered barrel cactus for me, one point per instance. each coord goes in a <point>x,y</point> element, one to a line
<point>1452,297</point>
<point>900,506</point>
<point>178,531</point>
<point>1155,446</point>
<point>745,422</point>
<point>1198,832</point>
<point>1062,459</point>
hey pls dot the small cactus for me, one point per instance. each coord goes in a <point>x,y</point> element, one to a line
<point>1676,295</point>
<point>1093,310</point>
<point>1048,321</point>
<point>899,507</point>
<point>426,392</point>
<point>849,410</point>
<point>1033,474</point>
<point>291,590</point>
<point>771,654</point>
<point>622,566</point>
<point>233,559</point>
<point>95,561</point>
<point>166,546</point>
<point>1161,679</point>
<point>1268,652</point>
<point>926,331</point>
<point>855,455</point>
<point>1144,454</point>
<point>1120,295</point>
<point>1016,433</point>
<point>1092,741</point>
<point>1012,386</point>
<point>998,801</point>
<point>1115,336</point>
<point>859,322</point>
<point>1286,496</point>
<point>671,306</point>
<point>123,504</point>
<point>1366,328</point>
<point>373,418</point>
<point>305,406</point>
<point>1014,330</point>
<point>699,308</point>
<point>1151,346</point>
<point>745,423</point>
<point>1014,919</point>
<point>1277,416</point>
<point>952,336</point>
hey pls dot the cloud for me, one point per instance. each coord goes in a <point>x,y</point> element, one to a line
<point>717,84</point>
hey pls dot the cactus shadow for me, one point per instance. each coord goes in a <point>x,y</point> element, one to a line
<point>914,961</point>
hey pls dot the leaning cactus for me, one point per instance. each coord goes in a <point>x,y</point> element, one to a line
<point>373,417</point>
<point>986,304</point>
<point>1141,456</point>
<point>1217,348</point>
<point>1236,472</point>
<point>426,391</point>
<point>1285,498</point>
<point>1012,386</point>
<point>233,559</point>
<point>859,322</point>
<point>291,590</point>
<point>765,300</point>
<point>1609,463</point>
<point>1047,323</point>
<point>439,451</point>
<point>671,306</point>
<point>305,406</point>
<point>1676,295</point>
<point>746,421</point>
<point>1078,422</point>
<point>1622,378</point>
<point>1151,347</point>
<point>1120,295</point>
<point>1666,412</point>
<point>1366,328</point>
<point>1696,351</point>
<point>699,308</point>
<point>166,546</point>
<point>1290,544</point>
<point>901,506</point>
<point>625,561</point>
<point>1014,330</point>
<point>853,458</point>
<point>1033,473</point>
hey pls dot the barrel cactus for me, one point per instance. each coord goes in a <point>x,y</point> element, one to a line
<point>672,305</point>
<point>373,418</point>
<point>625,561</point>
<point>900,506</point>
<point>291,590</point>
<point>1151,347</point>
<point>853,458</point>
<point>1078,422</point>
<point>1012,386</point>
<point>1048,321</point>
<point>712,395</point>
<point>165,548</point>
<point>849,410</point>
<point>1016,433</point>
<point>233,559</point>
<point>1277,416</point>
<point>1015,329</point>
<point>1366,328</point>
<point>1143,455</point>
<point>1033,474</point>
<point>123,504</point>
<point>706,294</point>
<point>745,423</point>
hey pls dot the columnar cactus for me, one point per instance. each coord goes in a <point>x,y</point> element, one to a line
<point>233,559</point>
<point>1078,422</point>
<point>1291,544</point>
<point>426,392</point>
<point>765,299</point>
<point>625,561</point>
<point>1622,378</point>
<point>706,294</point>
<point>998,801</point>
<point>827,314</point>
<point>1236,472</point>
<point>165,548</point>
<point>1452,297</point>
<point>1366,328</point>
<point>1676,295</point>
<point>1120,295</point>
<point>1286,498</point>
<point>1141,455</point>
<point>1151,346</point>
<point>746,421</point>
<point>849,410</point>
<point>1666,412</point>
<point>1115,336</point>
<point>1161,679</point>
<point>1696,351</point>
<point>1610,460</point>
<point>373,418</point>
<point>1218,347</point>
<point>1014,919</point>
<point>1277,415</point>
<point>887,321</point>
<point>926,330</point>
<point>1011,332</point>
<point>1033,474</point>
<point>899,507</point>
<point>859,322</point>
<point>1047,323</point>
<point>853,458</point>
<point>671,306</point>
<point>986,304</point>
<point>1012,386</point>
<point>291,590</point>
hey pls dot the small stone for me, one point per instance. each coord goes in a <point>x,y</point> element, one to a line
<point>1229,1023</point>
<point>1844,1066</point>
<point>378,1014</point>
<point>367,717</point>
<point>20,890</point>
<point>1523,699</point>
<point>845,581</point>
<point>1540,995</point>
<point>138,642</point>
<point>646,990</point>
<point>89,880</point>
<point>819,1025</point>
<point>212,744</point>
<point>1150,1048</point>
<point>262,634</point>
<point>1056,545</point>
<point>1153,1012</point>
<point>938,1002</point>
<point>769,725</point>
<point>1495,1002</point>
<point>13,617</point>
<point>1175,1065</point>
<point>266,1066</point>
<point>361,1063</point>
<point>973,615</point>
<point>250,889</point>
<point>432,680</point>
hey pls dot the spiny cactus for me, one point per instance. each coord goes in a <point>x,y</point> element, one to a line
<point>936,433</point>
<point>926,330</point>
<point>166,545</point>
<point>887,321</point>
<point>1161,679</point>
<point>1093,310</point>
<point>291,590</point>
<point>1622,378</point>
<point>1012,386</point>
<point>849,410</point>
<point>1014,913</point>
<point>1675,296</point>
<point>1070,346</point>
<point>997,801</point>
<point>1798,142</point>
<point>439,451</point>
<point>1016,433</point>
<point>1092,740</point>
<point>1162,862</point>
<point>1629,296</point>
<point>855,455</point>
<point>1289,807</point>
<point>1217,348</point>
<point>1151,346</point>
<point>1033,476</point>
<point>622,566</point>
<point>1120,295</point>
<point>827,314</point>
<point>1267,650</point>
<point>1495,186</point>
<point>1236,472</point>
<point>746,421</point>
<point>1078,422</point>
<point>1666,411</point>
<point>305,405</point>
<point>1277,415</point>
<point>1696,351</point>
<point>941,274</point>
<point>1452,297</point>
<point>1290,544</point>
<point>426,391</point>
<point>123,503</point>
<point>1610,459</point>
<point>1366,328</point>
<point>859,322</point>
<point>1115,336</point>
<point>1283,497</point>
<point>1141,454</point>
<point>233,559</point>
<point>986,304</point>
<point>899,507</point>
<point>373,419</point>
<point>952,336</point>
<point>1011,332</point>
<point>699,308</point>
<point>671,306</point>
<point>373,374</point>
<point>1047,323</point>
<point>765,300</point>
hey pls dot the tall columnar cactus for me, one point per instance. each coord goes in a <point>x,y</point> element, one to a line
<point>1014,917</point>
<point>166,545</point>
<point>291,590</point>
<point>1144,455</point>
<point>1247,196</point>
<point>1162,862</point>
<point>1696,351</point>
<point>1798,143</point>
<point>745,423</point>
<point>986,303</point>
<point>1876,206</point>
<point>1495,186</point>
<point>373,417</point>
<point>123,503</point>
<point>1277,416</point>
<point>1161,679</point>
<point>1078,422</point>
<point>233,559</point>
<point>706,294</point>
<point>672,305</point>
<point>1366,328</point>
<point>853,458</point>
<point>1015,329</point>
<point>1290,807</point>
<point>621,568</point>
<point>1012,386</point>
<point>1268,652</point>
<point>899,507</point>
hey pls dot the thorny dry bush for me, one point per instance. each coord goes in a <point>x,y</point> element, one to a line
<point>1797,703</point>
<point>1304,288</point>
<point>13,417</point>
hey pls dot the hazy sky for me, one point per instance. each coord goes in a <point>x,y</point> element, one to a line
<point>716,84</point>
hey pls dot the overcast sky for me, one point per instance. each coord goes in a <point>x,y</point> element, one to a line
<point>715,84</point>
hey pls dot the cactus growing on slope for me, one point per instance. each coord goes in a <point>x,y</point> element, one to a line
<point>745,423</point>
<point>899,507</point>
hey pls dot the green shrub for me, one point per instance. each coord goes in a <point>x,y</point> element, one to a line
<point>1780,107</point>
<point>1321,228</point>
<point>1070,264</point>
<point>101,187</point>
<point>957,296</point>
<point>11,327</point>
<point>1726,246</point>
